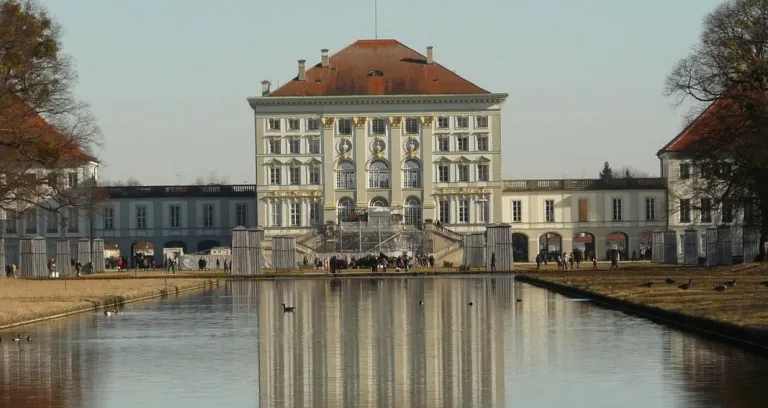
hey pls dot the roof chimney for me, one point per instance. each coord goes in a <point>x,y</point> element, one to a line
<point>265,87</point>
<point>302,70</point>
<point>324,57</point>
<point>430,58</point>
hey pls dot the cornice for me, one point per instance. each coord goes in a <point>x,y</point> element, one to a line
<point>375,99</point>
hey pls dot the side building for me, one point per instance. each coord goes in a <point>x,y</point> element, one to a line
<point>377,130</point>
<point>592,215</point>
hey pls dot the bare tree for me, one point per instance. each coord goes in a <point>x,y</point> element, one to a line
<point>130,182</point>
<point>45,132</point>
<point>726,76</point>
<point>211,179</point>
<point>629,172</point>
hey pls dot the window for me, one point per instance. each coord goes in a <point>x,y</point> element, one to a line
<point>727,208</point>
<point>464,210</point>
<point>685,171</point>
<point>617,209</point>
<point>315,210</point>
<point>462,122</point>
<point>345,175</point>
<point>294,146</point>
<point>378,127</point>
<point>482,211</point>
<point>444,211</point>
<point>443,144</point>
<point>273,146</point>
<point>378,175</point>
<point>463,172</point>
<point>313,124</point>
<point>379,202</point>
<point>273,125</point>
<point>109,218</point>
<point>685,210</point>
<point>442,122</point>
<point>411,125</point>
<point>11,225</point>
<point>462,143</point>
<point>345,208</point>
<point>30,221</point>
<point>412,207</point>
<point>412,174</point>
<point>314,174</point>
<point>345,126</point>
<point>174,216</point>
<point>295,214</point>
<point>517,211</point>
<point>706,209</point>
<point>650,209</point>
<point>583,210</point>
<point>274,175</point>
<point>276,214</point>
<point>481,122</point>
<point>72,180</point>
<point>294,175</point>
<point>443,173</point>
<point>313,145</point>
<point>52,222</point>
<point>549,210</point>
<point>482,143</point>
<point>208,216</point>
<point>141,217</point>
<point>482,172</point>
<point>241,214</point>
<point>294,125</point>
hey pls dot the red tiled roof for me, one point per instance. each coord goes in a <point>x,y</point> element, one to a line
<point>405,72</point>
<point>32,131</point>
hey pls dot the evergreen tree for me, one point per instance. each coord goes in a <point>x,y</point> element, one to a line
<point>606,173</point>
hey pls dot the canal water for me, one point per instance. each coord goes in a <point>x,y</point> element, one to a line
<point>393,343</point>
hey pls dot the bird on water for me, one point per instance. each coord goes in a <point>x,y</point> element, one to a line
<point>720,288</point>
<point>669,281</point>
<point>647,284</point>
<point>519,300</point>
<point>288,309</point>
<point>730,283</point>
<point>17,338</point>
<point>470,304</point>
<point>686,286</point>
<point>29,338</point>
<point>764,283</point>
<point>421,303</point>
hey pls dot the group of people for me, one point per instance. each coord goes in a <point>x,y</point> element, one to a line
<point>371,262</point>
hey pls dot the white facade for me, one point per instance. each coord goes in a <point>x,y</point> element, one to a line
<point>553,218</point>
<point>428,157</point>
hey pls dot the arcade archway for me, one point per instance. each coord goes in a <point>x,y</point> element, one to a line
<point>520,247</point>
<point>551,245</point>
<point>585,242</point>
<point>617,241</point>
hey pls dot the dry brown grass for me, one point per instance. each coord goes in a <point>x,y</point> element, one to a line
<point>24,300</point>
<point>746,304</point>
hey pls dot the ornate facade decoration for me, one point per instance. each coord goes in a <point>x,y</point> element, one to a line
<point>463,190</point>
<point>411,145</point>
<point>360,122</point>
<point>296,194</point>
<point>378,146</point>
<point>345,146</point>
<point>395,121</point>
<point>328,122</point>
<point>426,121</point>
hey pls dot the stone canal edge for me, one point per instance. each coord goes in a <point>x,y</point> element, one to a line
<point>110,301</point>
<point>755,339</point>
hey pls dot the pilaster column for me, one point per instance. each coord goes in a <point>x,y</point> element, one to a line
<point>395,155</point>
<point>329,172</point>
<point>359,144</point>
<point>427,168</point>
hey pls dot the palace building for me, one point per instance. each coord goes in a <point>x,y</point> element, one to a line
<point>377,128</point>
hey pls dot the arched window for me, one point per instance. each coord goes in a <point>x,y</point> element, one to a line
<point>379,202</point>
<point>412,174</point>
<point>345,208</point>
<point>345,175</point>
<point>412,207</point>
<point>378,175</point>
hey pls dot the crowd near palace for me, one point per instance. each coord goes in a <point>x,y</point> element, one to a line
<point>379,142</point>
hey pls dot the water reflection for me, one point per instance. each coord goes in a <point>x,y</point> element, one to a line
<point>364,343</point>
<point>370,343</point>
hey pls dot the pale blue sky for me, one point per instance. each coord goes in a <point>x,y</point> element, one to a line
<point>168,79</point>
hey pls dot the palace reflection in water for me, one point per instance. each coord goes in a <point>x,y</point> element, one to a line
<point>360,342</point>
<point>368,343</point>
